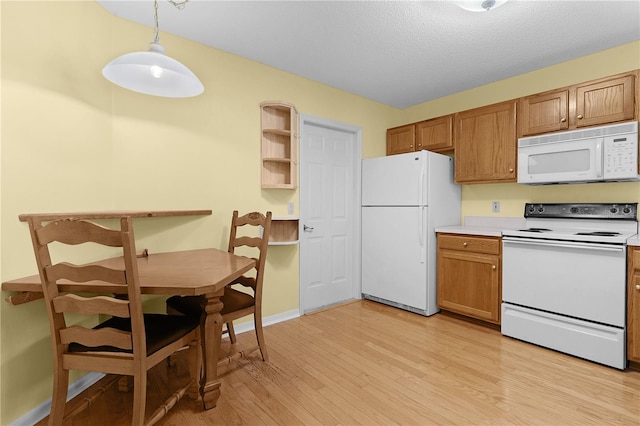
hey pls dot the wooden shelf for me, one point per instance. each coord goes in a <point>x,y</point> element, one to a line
<point>279,126</point>
<point>114,214</point>
<point>284,231</point>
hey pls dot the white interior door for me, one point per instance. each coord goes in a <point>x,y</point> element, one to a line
<point>330,157</point>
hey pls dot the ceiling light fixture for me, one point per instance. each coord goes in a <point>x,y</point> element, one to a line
<point>153,72</point>
<point>481,5</point>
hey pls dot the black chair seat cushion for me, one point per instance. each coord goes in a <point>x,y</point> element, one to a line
<point>232,300</point>
<point>160,330</point>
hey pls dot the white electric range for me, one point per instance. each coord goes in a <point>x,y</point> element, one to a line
<point>564,279</point>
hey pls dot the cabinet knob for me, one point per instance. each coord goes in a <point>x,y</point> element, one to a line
<point>465,244</point>
<point>637,286</point>
<point>510,170</point>
<point>563,119</point>
<point>493,267</point>
<point>579,116</point>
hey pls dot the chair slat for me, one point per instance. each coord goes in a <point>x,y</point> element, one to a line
<point>78,232</point>
<point>85,273</point>
<point>98,337</point>
<point>92,305</point>
<point>246,281</point>
<point>247,241</point>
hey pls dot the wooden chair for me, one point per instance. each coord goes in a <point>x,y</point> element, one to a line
<point>129,342</point>
<point>236,303</point>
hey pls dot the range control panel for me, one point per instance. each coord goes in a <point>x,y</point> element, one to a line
<point>616,211</point>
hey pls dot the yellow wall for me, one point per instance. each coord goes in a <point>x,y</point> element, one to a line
<point>476,199</point>
<point>72,141</point>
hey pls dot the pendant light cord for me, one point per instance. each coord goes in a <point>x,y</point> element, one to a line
<point>178,5</point>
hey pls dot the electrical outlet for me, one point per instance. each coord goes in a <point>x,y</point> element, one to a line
<point>495,206</point>
<point>290,207</point>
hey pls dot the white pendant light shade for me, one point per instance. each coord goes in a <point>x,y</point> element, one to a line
<point>153,73</point>
<point>480,5</point>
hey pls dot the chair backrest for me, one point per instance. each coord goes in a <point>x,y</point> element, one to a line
<point>243,237</point>
<point>72,232</point>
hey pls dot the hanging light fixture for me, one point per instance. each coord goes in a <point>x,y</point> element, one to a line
<point>481,5</point>
<point>153,72</point>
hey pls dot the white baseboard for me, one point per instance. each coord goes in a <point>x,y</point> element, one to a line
<point>43,410</point>
<point>75,388</point>
<point>274,319</point>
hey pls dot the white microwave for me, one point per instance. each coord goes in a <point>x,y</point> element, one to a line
<point>597,154</point>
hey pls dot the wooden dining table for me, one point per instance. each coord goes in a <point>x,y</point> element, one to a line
<point>203,272</point>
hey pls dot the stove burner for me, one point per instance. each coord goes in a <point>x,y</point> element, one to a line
<point>599,233</point>
<point>535,230</point>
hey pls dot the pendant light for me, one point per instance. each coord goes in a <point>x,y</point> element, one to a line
<point>481,5</point>
<point>153,72</point>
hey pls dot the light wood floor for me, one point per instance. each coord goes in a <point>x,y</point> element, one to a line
<point>368,364</point>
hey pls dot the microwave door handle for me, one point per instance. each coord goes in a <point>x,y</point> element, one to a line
<point>599,159</point>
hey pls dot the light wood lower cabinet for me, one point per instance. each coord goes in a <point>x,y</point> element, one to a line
<point>633,308</point>
<point>469,276</point>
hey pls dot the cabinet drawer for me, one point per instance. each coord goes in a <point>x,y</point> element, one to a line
<point>489,245</point>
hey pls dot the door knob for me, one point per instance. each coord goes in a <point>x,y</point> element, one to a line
<point>306,228</point>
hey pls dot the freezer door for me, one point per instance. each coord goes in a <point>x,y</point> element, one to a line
<point>394,258</point>
<point>395,180</point>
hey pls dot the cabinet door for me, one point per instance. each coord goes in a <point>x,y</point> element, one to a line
<point>546,112</point>
<point>401,139</point>
<point>606,101</point>
<point>435,134</point>
<point>633,309</point>
<point>469,284</point>
<point>485,141</point>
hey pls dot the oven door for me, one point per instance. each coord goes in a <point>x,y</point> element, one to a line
<point>580,280</point>
<point>557,162</point>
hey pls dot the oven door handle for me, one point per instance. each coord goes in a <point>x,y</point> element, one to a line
<point>567,244</point>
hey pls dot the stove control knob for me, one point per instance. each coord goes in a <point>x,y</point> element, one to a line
<point>540,209</point>
<point>626,210</point>
<point>614,210</point>
<point>573,210</point>
<point>532,209</point>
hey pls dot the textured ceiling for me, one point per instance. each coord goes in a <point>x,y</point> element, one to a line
<point>399,53</point>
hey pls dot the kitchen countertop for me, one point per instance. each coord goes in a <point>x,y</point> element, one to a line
<point>484,226</point>
<point>634,241</point>
<point>493,226</point>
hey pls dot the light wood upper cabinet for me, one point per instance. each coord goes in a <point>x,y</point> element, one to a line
<point>594,103</point>
<point>605,101</point>
<point>542,113</point>
<point>401,139</point>
<point>435,134</point>
<point>469,276</point>
<point>279,133</point>
<point>485,143</point>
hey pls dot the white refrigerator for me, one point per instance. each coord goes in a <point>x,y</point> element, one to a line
<point>404,198</point>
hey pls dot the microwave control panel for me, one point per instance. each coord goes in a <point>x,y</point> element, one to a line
<point>620,156</point>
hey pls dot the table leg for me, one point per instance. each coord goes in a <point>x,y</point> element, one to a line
<point>211,336</point>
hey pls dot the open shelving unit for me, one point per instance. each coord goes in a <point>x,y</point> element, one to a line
<point>279,154</point>
<point>284,231</point>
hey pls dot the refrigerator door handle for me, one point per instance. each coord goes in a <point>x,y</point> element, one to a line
<point>421,236</point>
<point>421,186</point>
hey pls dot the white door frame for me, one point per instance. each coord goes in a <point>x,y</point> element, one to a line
<point>306,119</point>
